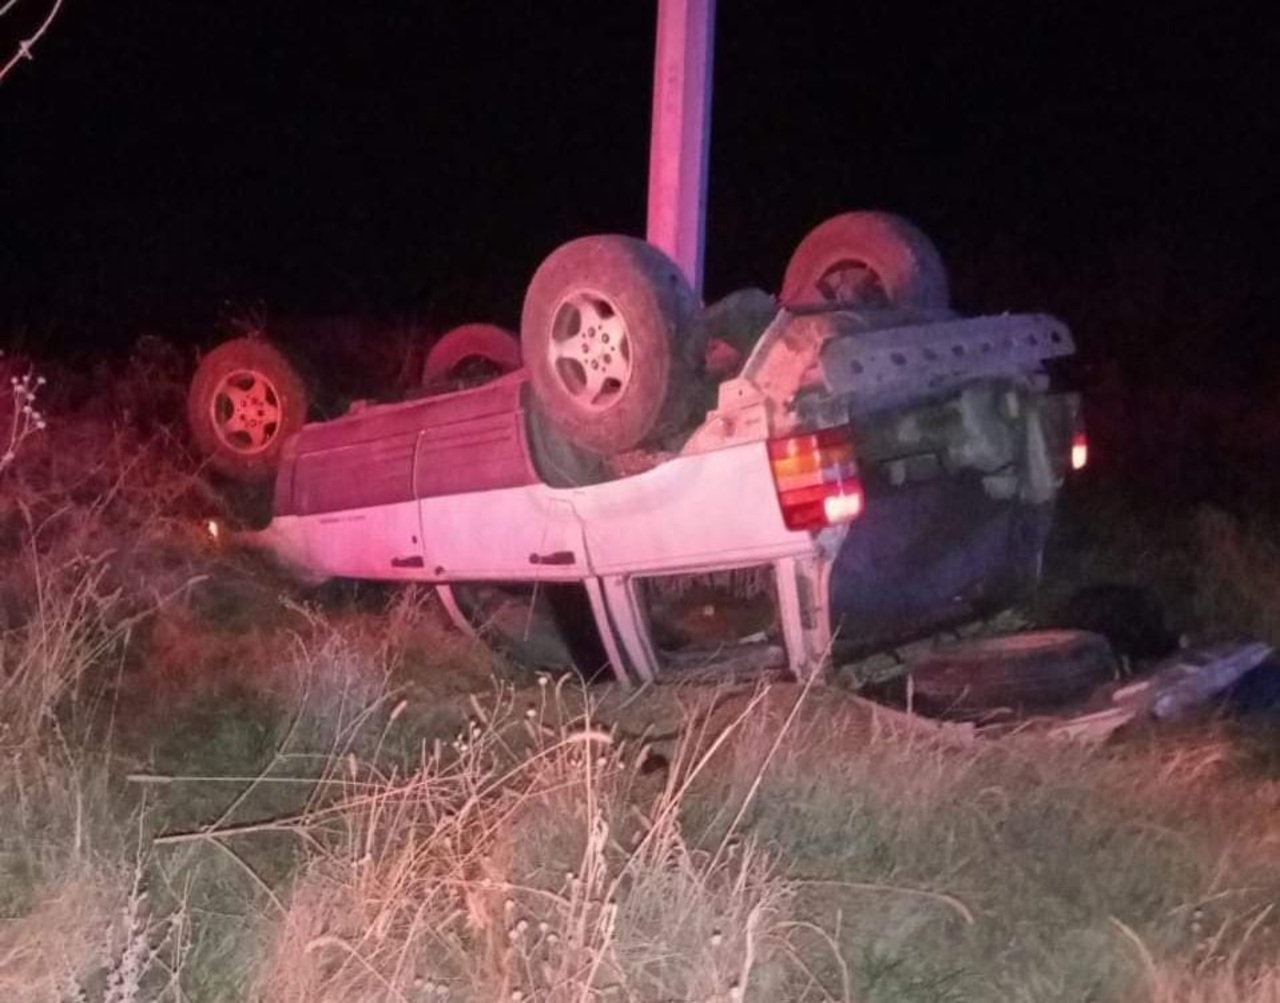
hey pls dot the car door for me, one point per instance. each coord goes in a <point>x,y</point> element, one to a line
<point>485,513</point>
<point>512,534</point>
<point>356,500</point>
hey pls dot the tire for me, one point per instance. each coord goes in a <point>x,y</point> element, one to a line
<point>245,401</point>
<point>866,259</point>
<point>732,326</point>
<point>493,350</point>
<point>1033,670</point>
<point>610,338</point>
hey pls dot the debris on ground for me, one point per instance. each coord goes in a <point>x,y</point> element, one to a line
<point>1176,688</point>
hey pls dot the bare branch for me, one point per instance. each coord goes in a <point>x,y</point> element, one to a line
<point>27,44</point>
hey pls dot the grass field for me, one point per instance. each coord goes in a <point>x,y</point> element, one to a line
<point>217,786</point>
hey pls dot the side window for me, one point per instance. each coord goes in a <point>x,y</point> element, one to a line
<point>697,621</point>
<point>542,625</point>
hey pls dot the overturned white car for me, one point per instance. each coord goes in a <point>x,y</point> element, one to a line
<point>662,487</point>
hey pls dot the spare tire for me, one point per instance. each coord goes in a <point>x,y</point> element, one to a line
<point>245,401</point>
<point>486,347</point>
<point>866,259</point>
<point>609,335</point>
<point>1032,670</point>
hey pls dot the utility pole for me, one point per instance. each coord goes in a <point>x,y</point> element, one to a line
<point>681,137</point>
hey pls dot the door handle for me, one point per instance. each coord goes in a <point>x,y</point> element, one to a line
<point>408,562</point>
<point>559,557</point>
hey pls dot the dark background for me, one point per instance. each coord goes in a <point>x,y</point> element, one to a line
<point>165,164</point>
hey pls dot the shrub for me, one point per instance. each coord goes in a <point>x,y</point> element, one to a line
<point>20,419</point>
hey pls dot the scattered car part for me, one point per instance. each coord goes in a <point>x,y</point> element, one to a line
<point>1196,675</point>
<point>866,259</point>
<point>1176,688</point>
<point>1027,671</point>
<point>609,336</point>
<point>245,401</point>
<point>487,348</point>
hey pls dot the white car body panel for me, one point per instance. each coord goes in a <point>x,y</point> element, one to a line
<point>382,542</point>
<point>690,513</point>
<point>693,512</point>
<point>501,536</point>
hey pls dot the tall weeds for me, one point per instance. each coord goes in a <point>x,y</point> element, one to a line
<point>79,922</point>
<point>73,624</point>
<point>531,858</point>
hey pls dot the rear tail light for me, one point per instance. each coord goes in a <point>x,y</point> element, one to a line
<point>1079,451</point>
<point>817,478</point>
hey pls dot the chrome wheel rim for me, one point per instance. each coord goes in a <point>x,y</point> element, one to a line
<point>246,412</point>
<point>590,351</point>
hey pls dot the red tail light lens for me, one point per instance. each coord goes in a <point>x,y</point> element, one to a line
<point>1079,451</point>
<point>817,479</point>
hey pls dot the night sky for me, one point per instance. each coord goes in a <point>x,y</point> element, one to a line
<point>165,162</point>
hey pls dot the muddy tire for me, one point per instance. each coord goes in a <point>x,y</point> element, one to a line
<point>866,259</point>
<point>245,401</point>
<point>1033,670</point>
<point>609,335</point>
<point>733,325</point>
<point>484,348</point>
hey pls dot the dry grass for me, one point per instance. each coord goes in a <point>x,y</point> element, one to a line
<point>79,923</point>
<point>1216,987</point>
<point>73,625</point>
<point>529,858</point>
<point>795,850</point>
<point>1053,852</point>
<point>789,848</point>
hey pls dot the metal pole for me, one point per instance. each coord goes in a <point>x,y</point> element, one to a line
<point>678,149</point>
